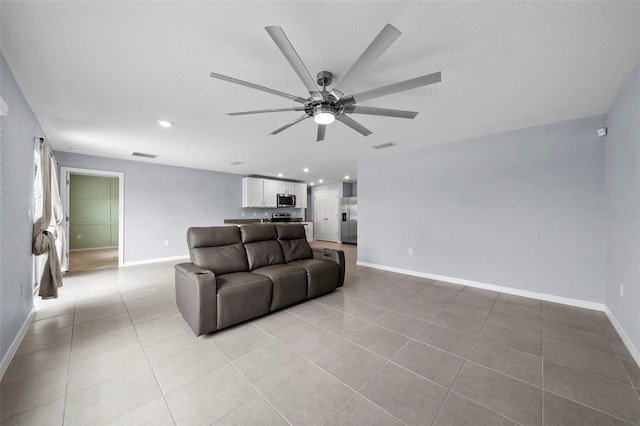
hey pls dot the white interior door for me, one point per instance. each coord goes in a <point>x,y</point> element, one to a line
<point>325,216</point>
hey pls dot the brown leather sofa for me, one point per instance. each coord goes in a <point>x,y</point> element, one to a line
<point>240,273</point>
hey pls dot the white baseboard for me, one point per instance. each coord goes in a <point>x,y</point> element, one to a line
<point>516,292</point>
<point>158,260</point>
<point>625,338</point>
<point>524,293</point>
<point>94,248</point>
<point>8,356</point>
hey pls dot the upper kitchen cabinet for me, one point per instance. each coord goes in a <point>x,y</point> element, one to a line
<point>252,192</point>
<point>258,192</point>
<point>301,195</point>
<point>289,188</point>
<point>271,190</point>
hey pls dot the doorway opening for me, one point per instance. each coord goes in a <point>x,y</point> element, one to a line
<point>94,218</point>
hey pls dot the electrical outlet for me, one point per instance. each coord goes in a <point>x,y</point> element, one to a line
<point>78,237</point>
<point>255,213</point>
<point>410,252</point>
<point>166,242</point>
<point>621,291</point>
<point>242,214</point>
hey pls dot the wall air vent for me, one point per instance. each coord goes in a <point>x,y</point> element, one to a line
<point>384,145</point>
<point>236,163</point>
<point>143,155</point>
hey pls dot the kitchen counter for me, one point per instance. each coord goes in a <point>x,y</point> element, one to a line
<point>253,221</point>
<point>308,225</point>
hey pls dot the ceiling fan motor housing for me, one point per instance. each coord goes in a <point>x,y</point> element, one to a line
<point>324,78</point>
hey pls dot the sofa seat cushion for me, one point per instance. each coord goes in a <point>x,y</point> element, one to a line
<point>289,284</point>
<point>242,296</point>
<point>323,276</point>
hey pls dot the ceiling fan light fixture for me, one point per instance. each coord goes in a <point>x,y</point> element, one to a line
<point>324,115</point>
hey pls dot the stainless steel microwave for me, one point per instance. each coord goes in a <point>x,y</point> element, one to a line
<point>286,200</point>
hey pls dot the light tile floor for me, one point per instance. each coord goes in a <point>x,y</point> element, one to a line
<point>384,349</point>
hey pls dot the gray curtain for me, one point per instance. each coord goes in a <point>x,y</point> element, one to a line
<point>44,242</point>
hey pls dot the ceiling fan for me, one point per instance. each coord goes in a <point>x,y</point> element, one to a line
<point>327,106</point>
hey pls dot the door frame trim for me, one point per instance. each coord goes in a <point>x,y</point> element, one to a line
<point>65,172</point>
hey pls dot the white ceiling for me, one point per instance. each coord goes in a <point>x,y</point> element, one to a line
<point>98,75</point>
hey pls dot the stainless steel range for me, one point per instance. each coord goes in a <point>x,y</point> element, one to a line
<point>281,217</point>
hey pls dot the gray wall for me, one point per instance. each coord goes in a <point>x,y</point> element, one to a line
<point>522,209</point>
<point>19,128</point>
<point>623,205</point>
<point>162,202</point>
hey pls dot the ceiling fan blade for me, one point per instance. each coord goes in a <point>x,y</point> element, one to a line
<point>291,123</point>
<point>377,47</point>
<point>292,57</point>
<point>398,87</point>
<point>257,87</point>
<point>322,129</point>
<point>353,124</point>
<point>353,109</point>
<point>260,111</point>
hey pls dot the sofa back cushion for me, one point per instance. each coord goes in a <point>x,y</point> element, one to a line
<point>293,241</point>
<point>218,249</point>
<point>260,242</point>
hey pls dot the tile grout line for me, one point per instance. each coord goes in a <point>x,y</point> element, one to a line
<point>432,346</point>
<point>466,359</point>
<point>164,398</point>
<point>589,407</point>
<point>334,377</point>
<point>73,329</point>
<point>250,383</point>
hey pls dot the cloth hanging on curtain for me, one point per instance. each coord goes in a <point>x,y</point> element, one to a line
<point>44,241</point>
<point>57,219</point>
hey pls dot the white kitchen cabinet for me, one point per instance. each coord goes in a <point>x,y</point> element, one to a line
<point>252,192</point>
<point>271,190</point>
<point>289,188</point>
<point>301,195</point>
<point>308,230</point>
<point>259,192</point>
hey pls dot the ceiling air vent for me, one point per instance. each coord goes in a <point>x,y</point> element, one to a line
<point>384,145</point>
<point>143,155</point>
<point>236,163</point>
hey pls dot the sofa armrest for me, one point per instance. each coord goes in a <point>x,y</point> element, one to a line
<point>196,297</point>
<point>333,255</point>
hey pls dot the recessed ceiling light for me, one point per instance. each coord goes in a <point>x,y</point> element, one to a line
<point>346,177</point>
<point>235,163</point>
<point>279,174</point>
<point>320,180</point>
<point>165,123</point>
<point>305,170</point>
<point>312,184</point>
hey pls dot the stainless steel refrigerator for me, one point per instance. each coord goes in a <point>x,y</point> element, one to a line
<point>349,220</point>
